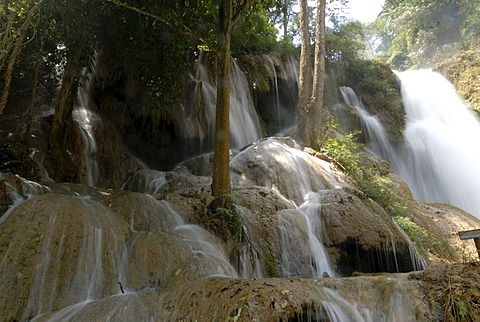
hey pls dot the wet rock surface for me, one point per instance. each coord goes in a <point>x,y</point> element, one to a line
<point>74,252</point>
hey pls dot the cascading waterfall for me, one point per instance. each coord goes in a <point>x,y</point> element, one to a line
<point>87,119</point>
<point>281,164</point>
<point>440,155</point>
<point>113,257</point>
<point>199,123</point>
<point>380,145</point>
<point>271,63</point>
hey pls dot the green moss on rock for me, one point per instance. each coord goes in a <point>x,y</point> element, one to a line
<point>463,70</point>
<point>379,89</point>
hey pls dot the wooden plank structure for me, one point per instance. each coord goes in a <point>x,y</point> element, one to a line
<point>471,234</point>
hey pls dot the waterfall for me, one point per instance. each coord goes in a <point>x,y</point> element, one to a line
<point>199,119</point>
<point>380,146</point>
<point>441,153</point>
<point>271,64</point>
<point>281,164</point>
<point>439,156</point>
<point>87,119</point>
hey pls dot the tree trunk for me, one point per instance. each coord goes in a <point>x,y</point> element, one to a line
<point>221,186</point>
<point>305,74</point>
<point>6,40</point>
<point>17,49</point>
<point>221,159</point>
<point>316,100</point>
<point>31,108</point>
<point>62,117</point>
<point>285,19</point>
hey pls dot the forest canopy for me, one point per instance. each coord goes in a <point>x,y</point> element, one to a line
<point>152,42</point>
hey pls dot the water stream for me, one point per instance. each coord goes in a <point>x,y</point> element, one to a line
<point>113,256</point>
<point>199,118</point>
<point>439,156</point>
<point>85,115</point>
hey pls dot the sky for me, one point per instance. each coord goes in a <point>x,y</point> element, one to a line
<point>364,10</point>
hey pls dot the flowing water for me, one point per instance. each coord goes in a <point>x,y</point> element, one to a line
<point>440,154</point>
<point>199,124</point>
<point>112,258</point>
<point>86,117</point>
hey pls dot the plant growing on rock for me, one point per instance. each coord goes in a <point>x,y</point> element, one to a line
<point>346,151</point>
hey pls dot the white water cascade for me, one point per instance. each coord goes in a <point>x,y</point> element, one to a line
<point>300,179</point>
<point>87,119</point>
<point>200,111</point>
<point>440,154</point>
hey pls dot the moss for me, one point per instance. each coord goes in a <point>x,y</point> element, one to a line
<point>257,71</point>
<point>379,89</point>
<point>271,265</point>
<point>421,237</point>
<point>61,166</point>
<point>4,199</point>
<point>463,70</point>
<point>224,222</point>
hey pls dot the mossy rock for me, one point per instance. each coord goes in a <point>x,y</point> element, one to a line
<point>378,88</point>
<point>463,70</point>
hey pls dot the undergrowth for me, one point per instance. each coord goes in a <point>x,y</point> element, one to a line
<point>346,151</point>
<point>459,304</point>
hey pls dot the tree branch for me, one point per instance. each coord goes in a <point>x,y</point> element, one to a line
<point>241,9</point>
<point>183,28</point>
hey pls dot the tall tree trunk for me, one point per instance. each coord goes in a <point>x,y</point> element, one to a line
<point>17,49</point>
<point>62,117</point>
<point>221,159</point>
<point>221,186</point>
<point>285,19</point>
<point>33,96</point>
<point>305,72</point>
<point>316,100</point>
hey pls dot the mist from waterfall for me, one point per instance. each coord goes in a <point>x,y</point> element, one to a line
<point>439,157</point>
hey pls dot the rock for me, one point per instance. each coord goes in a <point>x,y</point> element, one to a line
<point>279,164</point>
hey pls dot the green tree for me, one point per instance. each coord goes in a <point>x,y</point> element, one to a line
<point>72,26</point>
<point>12,39</point>
<point>421,33</point>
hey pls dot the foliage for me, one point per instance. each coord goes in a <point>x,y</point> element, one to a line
<point>253,34</point>
<point>345,42</point>
<point>380,188</point>
<point>418,33</point>
<point>419,235</point>
<point>346,151</point>
<point>149,53</point>
<point>463,70</point>
<point>224,222</point>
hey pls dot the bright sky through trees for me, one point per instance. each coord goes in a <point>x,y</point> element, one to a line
<point>364,10</point>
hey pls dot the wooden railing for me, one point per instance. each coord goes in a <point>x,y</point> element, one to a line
<point>471,234</point>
